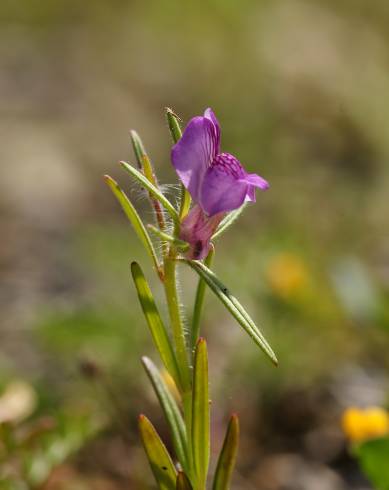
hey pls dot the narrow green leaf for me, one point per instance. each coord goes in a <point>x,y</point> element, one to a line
<point>200,415</point>
<point>228,220</point>
<point>134,219</point>
<point>142,158</point>
<point>144,182</point>
<point>183,482</point>
<point>155,323</point>
<point>233,306</point>
<point>199,300</point>
<point>146,168</point>
<point>179,244</point>
<point>160,461</point>
<point>171,411</point>
<point>138,147</point>
<point>227,458</point>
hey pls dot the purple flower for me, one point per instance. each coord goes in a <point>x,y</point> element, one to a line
<point>216,181</point>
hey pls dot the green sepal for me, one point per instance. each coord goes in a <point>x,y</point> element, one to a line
<point>135,220</point>
<point>156,193</point>
<point>171,411</point>
<point>183,482</point>
<point>227,458</point>
<point>199,300</point>
<point>233,306</point>
<point>227,221</point>
<point>160,461</point>
<point>200,415</point>
<point>155,323</point>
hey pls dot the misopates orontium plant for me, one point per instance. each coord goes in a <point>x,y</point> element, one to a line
<point>219,188</point>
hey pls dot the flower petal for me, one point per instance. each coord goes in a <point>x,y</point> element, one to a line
<point>254,181</point>
<point>257,181</point>
<point>194,152</point>
<point>209,114</point>
<point>224,187</point>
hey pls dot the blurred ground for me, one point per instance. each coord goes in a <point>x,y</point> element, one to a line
<point>301,91</point>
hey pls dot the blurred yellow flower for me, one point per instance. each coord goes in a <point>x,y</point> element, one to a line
<point>286,274</point>
<point>360,425</point>
<point>17,401</point>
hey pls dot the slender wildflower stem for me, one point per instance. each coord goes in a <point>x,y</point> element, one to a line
<point>170,283</point>
<point>177,326</point>
<point>199,301</point>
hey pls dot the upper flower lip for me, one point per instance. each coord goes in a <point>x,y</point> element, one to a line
<point>216,181</point>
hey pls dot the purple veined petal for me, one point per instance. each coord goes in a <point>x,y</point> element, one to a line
<point>194,153</point>
<point>224,186</point>
<point>209,114</point>
<point>255,181</point>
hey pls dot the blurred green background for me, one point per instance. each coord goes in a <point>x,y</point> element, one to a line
<point>301,90</point>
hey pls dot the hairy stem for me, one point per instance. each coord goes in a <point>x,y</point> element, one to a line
<point>176,322</point>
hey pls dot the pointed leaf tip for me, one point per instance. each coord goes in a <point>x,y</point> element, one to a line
<point>227,458</point>
<point>183,482</point>
<point>233,306</point>
<point>160,461</point>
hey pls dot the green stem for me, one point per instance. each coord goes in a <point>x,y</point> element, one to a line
<point>199,301</point>
<point>170,282</point>
<point>176,319</point>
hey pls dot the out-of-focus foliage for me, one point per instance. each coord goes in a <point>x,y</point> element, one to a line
<point>301,91</point>
<point>373,456</point>
<point>30,450</point>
